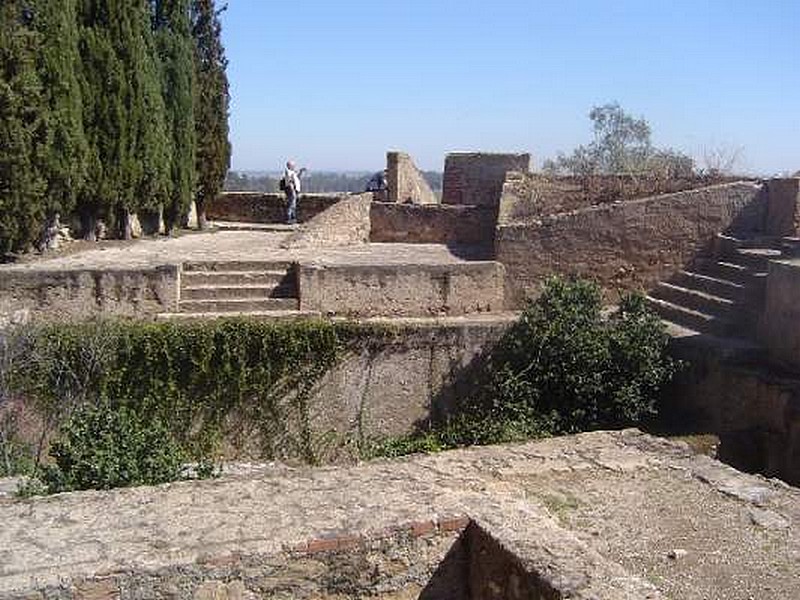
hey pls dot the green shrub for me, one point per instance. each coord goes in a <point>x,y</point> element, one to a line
<point>565,367</point>
<point>105,446</point>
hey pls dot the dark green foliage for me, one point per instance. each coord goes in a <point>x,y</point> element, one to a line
<point>176,52</point>
<point>212,102</point>
<point>64,165</point>
<point>108,446</point>
<point>22,129</point>
<point>123,110</point>
<point>563,368</point>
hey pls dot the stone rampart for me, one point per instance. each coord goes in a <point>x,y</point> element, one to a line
<point>402,290</point>
<point>477,178</point>
<point>405,181</point>
<point>258,207</point>
<point>68,294</point>
<point>439,224</point>
<point>630,244</point>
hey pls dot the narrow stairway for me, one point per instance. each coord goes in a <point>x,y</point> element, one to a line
<point>237,288</point>
<point>722,296</point>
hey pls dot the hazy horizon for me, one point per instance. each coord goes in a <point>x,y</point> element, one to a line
<point>344,82</point>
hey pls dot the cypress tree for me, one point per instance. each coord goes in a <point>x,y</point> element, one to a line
<point>123,113</point>
<point>64,163</point>
<point>22,129</point>
<point>212,105</point>
<point>176,52</point>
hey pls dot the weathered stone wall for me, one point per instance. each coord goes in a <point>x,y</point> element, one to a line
<point>783,207</point>
<point>731,391</point>
<point>630,244</point>
<point>343,224</point>
<point>402,290</point>
<point>257,207</point>
<point>439,224</point>
<point>779,328</point>
<point>477,178</point>
<point>405,181</point>
<point>84,293</point>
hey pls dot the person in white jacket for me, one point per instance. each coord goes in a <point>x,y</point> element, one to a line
<point>291,178</point>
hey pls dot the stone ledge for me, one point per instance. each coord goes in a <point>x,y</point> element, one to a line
<point>194,534</point>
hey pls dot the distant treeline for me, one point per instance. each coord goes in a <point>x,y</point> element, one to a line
<point>108,108</point>
<point>322,182</point>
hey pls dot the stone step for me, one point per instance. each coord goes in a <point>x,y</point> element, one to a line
<point>721,288</point>
<point>726,244</point>
<point>266,315</point>
<point>213,292</point>
<point>222,278</point>
<point>237,305</point>
<point>693,299</point>
<point>735,273</point>
<point>237,265</point>
<point>756,259</point>
<point>689,319</point>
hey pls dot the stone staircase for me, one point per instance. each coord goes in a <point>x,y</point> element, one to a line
<point>722,296</point>
<point>237,288</point>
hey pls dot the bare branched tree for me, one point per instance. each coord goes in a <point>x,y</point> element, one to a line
<point>723,159</point>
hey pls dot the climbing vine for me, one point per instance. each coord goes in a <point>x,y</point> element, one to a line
<point>235,379</point>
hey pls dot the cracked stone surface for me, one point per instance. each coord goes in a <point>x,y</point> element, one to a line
<point>236,245</point>
<point>598,515</point>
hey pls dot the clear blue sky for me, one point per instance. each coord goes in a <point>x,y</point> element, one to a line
<point>334,84</point>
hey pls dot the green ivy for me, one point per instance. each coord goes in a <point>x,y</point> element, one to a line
<point>201,380</point>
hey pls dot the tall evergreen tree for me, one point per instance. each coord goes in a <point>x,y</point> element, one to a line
<point>64,163</point>
<point>123,112</point>
<point>176,52</point>
<point>22,129</point>
<point>213,101</point>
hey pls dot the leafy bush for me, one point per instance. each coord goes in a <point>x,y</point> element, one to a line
<point>105,446</point>
<point>565,367</point>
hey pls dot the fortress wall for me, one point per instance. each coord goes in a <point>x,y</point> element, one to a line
<point>432,224</point>
<point>476,178</point>
<point>402,290</point>
<point>257,207</point>
<point>79,294</point>
<point>630,244</point>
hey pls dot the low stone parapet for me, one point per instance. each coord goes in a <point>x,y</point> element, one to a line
<point>432,224</point>
<point>402,290</point>
<point>258,207</point>
<point>86,293</point>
